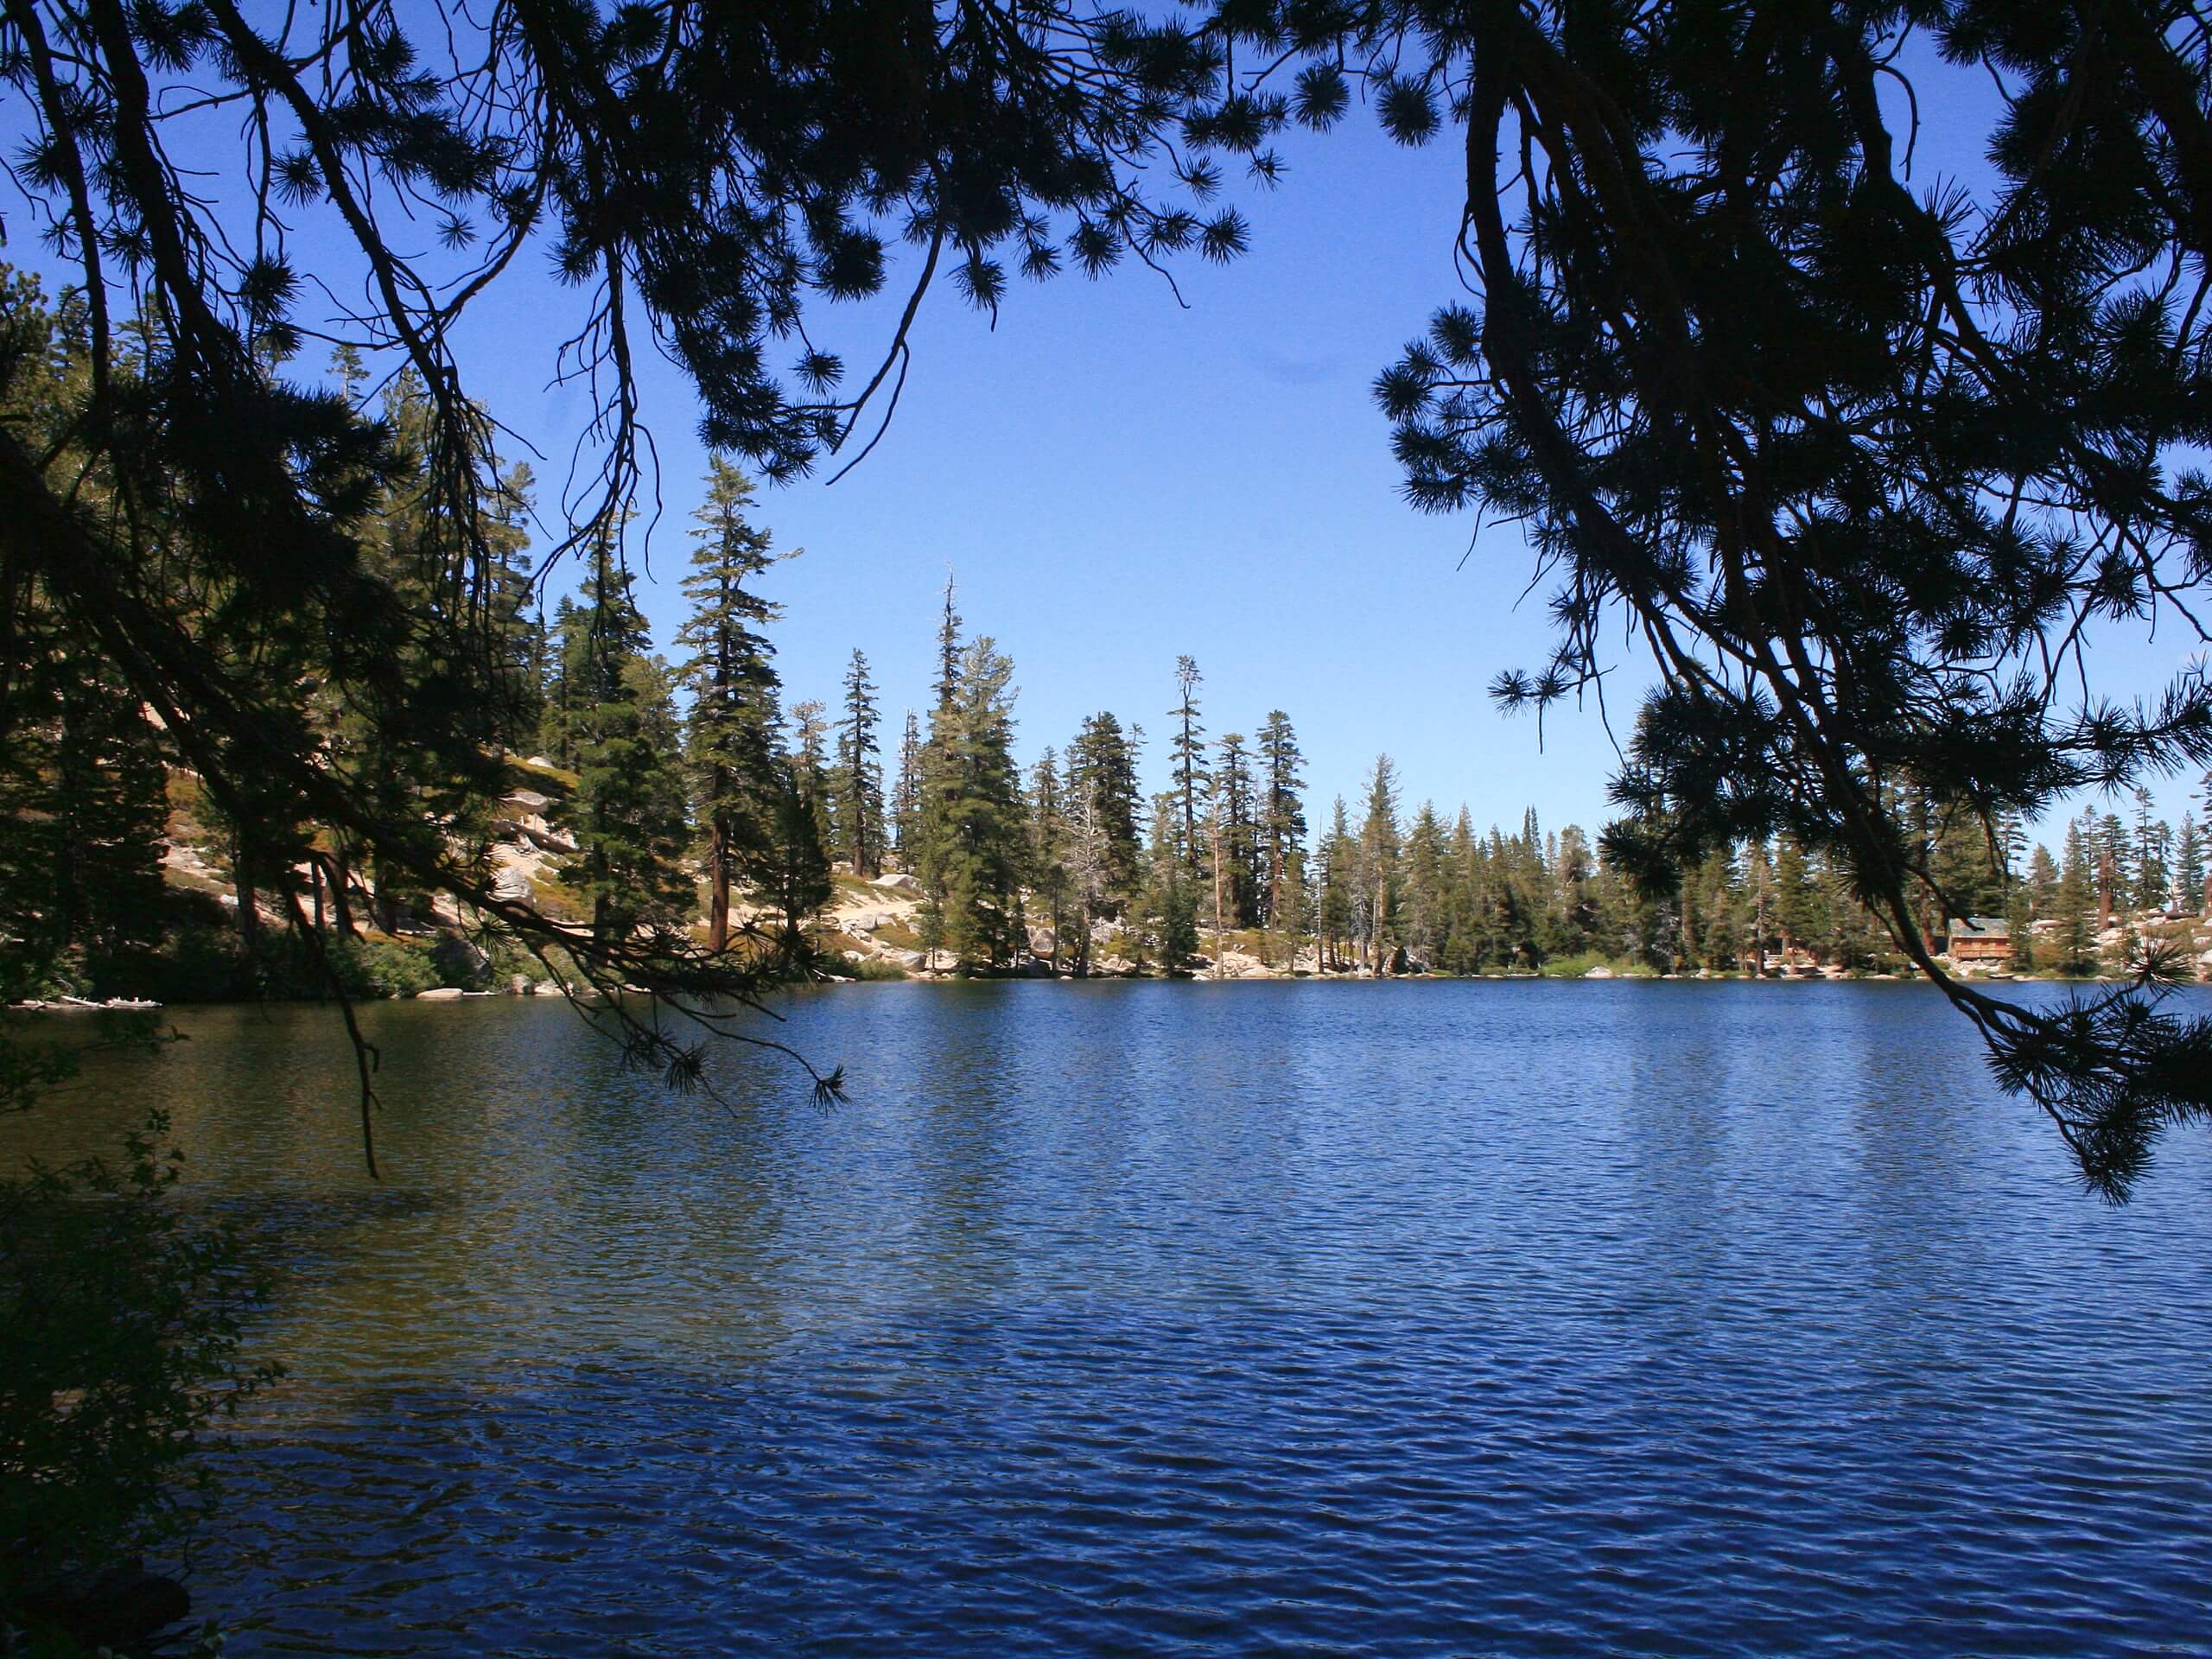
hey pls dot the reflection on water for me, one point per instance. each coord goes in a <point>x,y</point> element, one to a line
<point>1389,1319</point>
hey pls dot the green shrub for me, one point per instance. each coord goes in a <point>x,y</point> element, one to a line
<point>508,959</point>
<point>897,935</point>
<point>1579,964</point>
<point>201,963</point>
<point>380,967</point>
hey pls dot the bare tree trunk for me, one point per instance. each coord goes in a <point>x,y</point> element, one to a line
<point>718,889</point>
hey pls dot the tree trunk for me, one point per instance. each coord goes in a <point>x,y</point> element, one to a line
<point>341,897</point>
<point>1274,891</point>
<point>248,901</point>
<point>718,883</point>
<point>1220,943</point>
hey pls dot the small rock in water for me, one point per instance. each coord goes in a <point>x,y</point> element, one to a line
<point>443,994</point>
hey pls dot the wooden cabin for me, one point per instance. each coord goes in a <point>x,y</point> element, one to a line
<point>1980,939</point>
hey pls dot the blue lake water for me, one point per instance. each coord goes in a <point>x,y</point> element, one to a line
<point>1395,1319</point>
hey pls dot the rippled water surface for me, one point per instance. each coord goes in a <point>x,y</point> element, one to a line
<point>1458,1319</point>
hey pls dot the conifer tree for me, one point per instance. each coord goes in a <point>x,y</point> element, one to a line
<point>111,811</point>
<point>1574,886</point>
<point>2042,881</point>
<point>1087,868</point>
<point>1186,747</point>
<point>2075,937</point>
<point>441,790</point>
<point>83,800</point>
<point>791,866</point>
<point>1102,772</point>
<point>809,760</point>
<point>1459,952</point>
<point>906,793</point>
<point>948,650</point>
<point>554,732</point>
<point>1290,920</point>
<point>1334,881</point>
<point>973,828</point>
<point>2020,931</point>
<point>1283,814</point>
<point>518,630</point>
<point>1233,798</point>
<point>1759,905</point>
<point>2153,841</point>
<point>860,772</point>
<point>1047,869</point>
<point>1215,829</point>
<point>2189,867</point>
<point>1378,856</point>
<point>2115,876</point>
<point>1800,904</point>
<point>1425,907</point>
<point>1166,915</point>
<point>731,736</point>
<point>1965,861</point>
<point>628,817</point>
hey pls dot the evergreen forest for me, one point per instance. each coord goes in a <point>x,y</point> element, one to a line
<point>682,795</point>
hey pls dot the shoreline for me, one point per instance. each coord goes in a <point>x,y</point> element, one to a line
<point>75,1007</point>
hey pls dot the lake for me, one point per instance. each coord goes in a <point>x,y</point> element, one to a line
<point>1285,1318</point>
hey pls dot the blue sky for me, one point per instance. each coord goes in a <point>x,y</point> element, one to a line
<point>1115,479</point>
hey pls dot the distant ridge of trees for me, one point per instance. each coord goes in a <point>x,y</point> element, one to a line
<point>702,812</point>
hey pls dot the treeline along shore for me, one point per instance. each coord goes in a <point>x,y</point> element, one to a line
<point>631,791</point>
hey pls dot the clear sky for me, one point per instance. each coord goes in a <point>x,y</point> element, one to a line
<point>1115,479</point>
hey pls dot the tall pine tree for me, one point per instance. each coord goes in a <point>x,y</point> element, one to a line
<point>731,737</point>
<point>628,815</point>
<point>860,772</point>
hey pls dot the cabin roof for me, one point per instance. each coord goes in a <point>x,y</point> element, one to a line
<point>1980,927</point>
